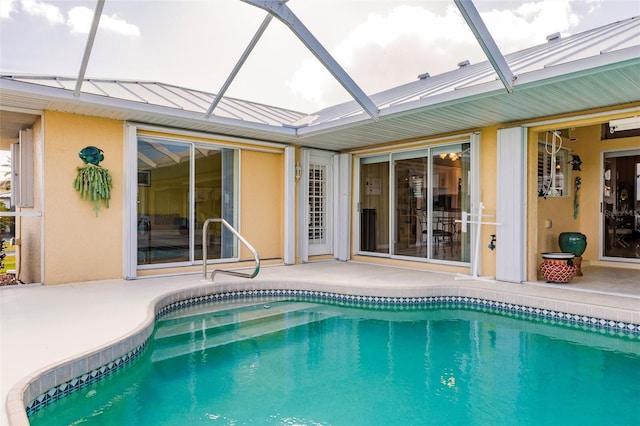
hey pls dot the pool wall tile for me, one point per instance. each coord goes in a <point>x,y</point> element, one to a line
<point>63,372</point>
<point>79,366</point>
<point>31,389</point>
<point>93,361</point>
<point>46,381</point>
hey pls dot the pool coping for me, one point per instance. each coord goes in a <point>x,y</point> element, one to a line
<point>55,381</point>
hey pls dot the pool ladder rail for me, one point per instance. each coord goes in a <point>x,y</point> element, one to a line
<point>205,247</point>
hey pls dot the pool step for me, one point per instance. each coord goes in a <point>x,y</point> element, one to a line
<point>234,333</point>
<point>208,308</point>
<point>205,323</point>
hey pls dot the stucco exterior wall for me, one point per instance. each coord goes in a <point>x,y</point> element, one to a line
<point>262,203</point>
<point>488,189</point>
<point>78,245</point>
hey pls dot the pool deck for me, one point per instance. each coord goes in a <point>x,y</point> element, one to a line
<point>43,326</point>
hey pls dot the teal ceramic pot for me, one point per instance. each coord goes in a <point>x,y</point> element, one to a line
<point>572,242</point>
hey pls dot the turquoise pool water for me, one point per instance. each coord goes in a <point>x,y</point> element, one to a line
<point>295,362</point>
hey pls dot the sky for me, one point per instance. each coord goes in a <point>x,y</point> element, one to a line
<point>196,44</point>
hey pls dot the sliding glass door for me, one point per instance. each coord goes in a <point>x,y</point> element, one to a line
<point>411,203</point>
<point>180,185</point>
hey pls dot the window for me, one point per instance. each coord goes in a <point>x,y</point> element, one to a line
<point>553,167</point>
<point>317,203</point>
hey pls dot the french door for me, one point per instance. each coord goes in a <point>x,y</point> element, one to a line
<point>319,182</point>
<point>621,206</point>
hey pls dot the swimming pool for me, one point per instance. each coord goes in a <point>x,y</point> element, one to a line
<point>283,360</point>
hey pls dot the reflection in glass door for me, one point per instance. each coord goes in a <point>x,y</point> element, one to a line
<point>180,185</point>
<point>450,196</point>
<point>163,194</point>
<point>621,204</point>
<point>374,204</point>
<point>410,231</point>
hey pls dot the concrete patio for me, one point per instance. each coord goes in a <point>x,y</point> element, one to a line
<point>41,326</point>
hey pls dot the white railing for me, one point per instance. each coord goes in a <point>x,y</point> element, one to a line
<point>205,247</point>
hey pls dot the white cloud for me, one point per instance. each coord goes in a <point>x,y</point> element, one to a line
<point>378,36</point>
<point>119,26</point>
<point>48,11</point>
<point>530,23</point>
<point>382,50</point>
<point>7,7</point>
<point>80,19</point>
<point>310,81</point>
<point>593,5</point>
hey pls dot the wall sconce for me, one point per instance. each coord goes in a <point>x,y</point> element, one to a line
<point>298,172</point>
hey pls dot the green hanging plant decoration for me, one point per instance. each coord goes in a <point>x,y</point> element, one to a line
<point>93,181</point>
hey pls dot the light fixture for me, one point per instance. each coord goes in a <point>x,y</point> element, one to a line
<point>298,172</point>
<point>623,124</point>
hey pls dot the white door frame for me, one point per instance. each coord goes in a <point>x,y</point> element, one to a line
<point>326,158</point>
<point>342,206</point>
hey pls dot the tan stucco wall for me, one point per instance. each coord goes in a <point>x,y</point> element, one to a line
<point>262,203</point>
<point>488,188</point>
<point>78,245</point>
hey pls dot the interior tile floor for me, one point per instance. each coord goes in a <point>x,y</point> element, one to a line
<point>43,325</point>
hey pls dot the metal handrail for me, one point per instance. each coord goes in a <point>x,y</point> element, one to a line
<point>205,247</point>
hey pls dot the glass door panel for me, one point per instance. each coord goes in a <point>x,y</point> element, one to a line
<point>207,200</point>
<point>319,181</point>
<point>374,204</point>
<point>163,201</point>
<point>410,234</point>
<point>450,196</point>
<point>621,205</point>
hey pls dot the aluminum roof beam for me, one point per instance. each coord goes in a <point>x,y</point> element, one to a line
<point>241,61</point>
<point>479,29</point>
<point>87,50</point>
<point>278,9</point>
